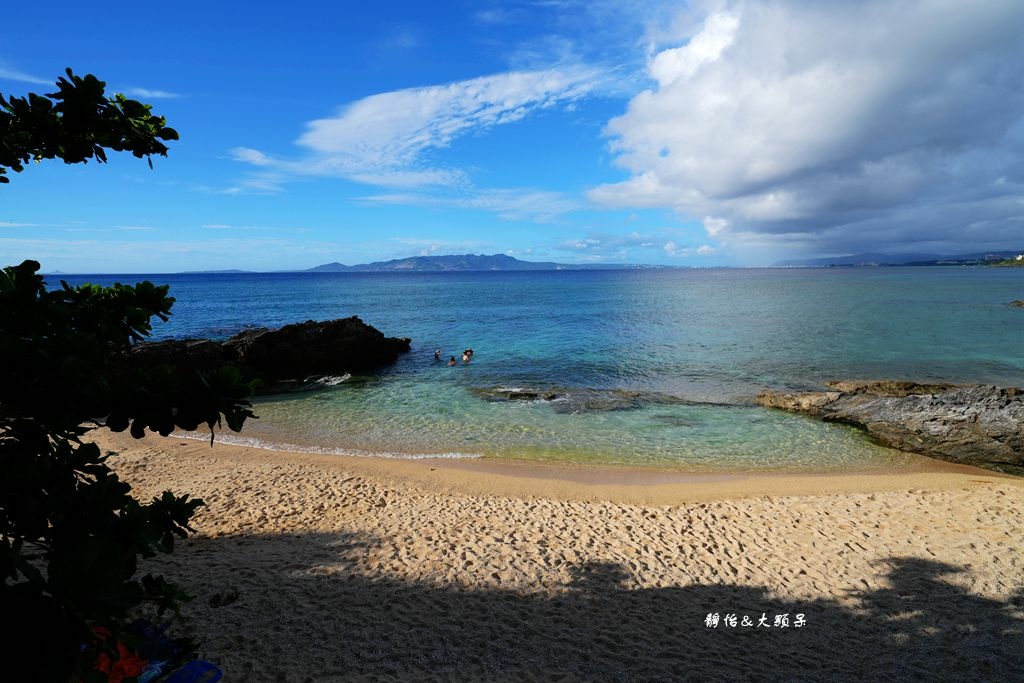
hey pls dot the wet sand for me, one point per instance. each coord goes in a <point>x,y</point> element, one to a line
<point>310,567</point>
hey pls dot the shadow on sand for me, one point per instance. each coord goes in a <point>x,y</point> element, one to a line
<point>312,607</point>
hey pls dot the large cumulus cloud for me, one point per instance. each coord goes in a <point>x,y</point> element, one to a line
<point>835,126</point>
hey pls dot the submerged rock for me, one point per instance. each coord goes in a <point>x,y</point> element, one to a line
<point>1019,303</point>
<point>581,400</point>
<point>497,394</point>
<point>287,357</point>
<point>972,425</point>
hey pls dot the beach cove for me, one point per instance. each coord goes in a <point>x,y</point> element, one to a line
<point>596,495</point>
<point>322,567</point>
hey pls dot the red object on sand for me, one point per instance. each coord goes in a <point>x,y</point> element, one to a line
<point>128,664</point>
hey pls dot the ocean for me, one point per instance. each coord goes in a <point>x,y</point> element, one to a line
<point>649,368</point>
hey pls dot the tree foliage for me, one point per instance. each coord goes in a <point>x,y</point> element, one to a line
<point>71,532</point>
<point>75,124</point>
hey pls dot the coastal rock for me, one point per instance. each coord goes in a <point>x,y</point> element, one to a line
<point>810,402</point>
<point>888,387</point>
<point>330,347</point>
<point>972,425</point>
<point>199,354</point>
<point>1019,303</point>
<point>285,357</point>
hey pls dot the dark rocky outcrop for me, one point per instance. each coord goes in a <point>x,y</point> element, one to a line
<point>285,358</point>
<point>1019,303</point>
<point>967,424</point>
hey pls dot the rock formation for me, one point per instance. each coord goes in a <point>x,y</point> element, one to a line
<point>581,400</point>
<point>973,424</point>
<point>286,357</point>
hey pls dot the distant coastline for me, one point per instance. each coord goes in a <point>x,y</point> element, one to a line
<point>451,263</point>
<point>468,263</point>
<point>997,258</point>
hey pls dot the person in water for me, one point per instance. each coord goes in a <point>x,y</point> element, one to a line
<point>452,362</point>
<point>437,354</point>
<point>465,356</point>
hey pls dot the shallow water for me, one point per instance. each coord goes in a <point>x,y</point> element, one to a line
<point>695,345</point>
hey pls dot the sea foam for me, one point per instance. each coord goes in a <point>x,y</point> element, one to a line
<point>253,442</point>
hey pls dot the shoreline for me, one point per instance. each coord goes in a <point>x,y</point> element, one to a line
<point>318,567</point>
<point>586,481</point>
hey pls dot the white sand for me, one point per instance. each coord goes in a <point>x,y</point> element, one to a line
<point>361,568</point>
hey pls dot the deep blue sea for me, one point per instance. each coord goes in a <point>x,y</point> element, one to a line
<point>694,346</point>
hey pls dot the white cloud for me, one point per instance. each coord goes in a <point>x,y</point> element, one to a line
<point>634,247</point>
<point>707,46</point>
<point>713,226</point>
<point>251,228</point>
<point>416,246</point>
<point>675,250</point>
<point>114,228</point>
<point>522,204</point>
<point>8,73</point>
<point>391,139</point>
<point>151,94</point>
<point>392,130</point>
<point>585,244</point>
<point>831,120</point>
<point>251,156</point>
<point>383,139</point>
<point>493,16</point>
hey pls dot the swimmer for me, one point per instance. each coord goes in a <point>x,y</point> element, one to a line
<point>437,354</point>
<point>452,362</point>
<point>465,356</point>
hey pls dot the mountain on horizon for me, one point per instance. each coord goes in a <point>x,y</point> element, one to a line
<point>871,259</point>
<point>463,262</point>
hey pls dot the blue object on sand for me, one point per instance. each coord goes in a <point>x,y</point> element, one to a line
<point>197,671</point>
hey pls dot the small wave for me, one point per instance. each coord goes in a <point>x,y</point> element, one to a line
<point>332,380</point>
<point>253,442</point>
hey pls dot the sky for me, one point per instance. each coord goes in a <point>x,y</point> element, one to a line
<point>708,133</point>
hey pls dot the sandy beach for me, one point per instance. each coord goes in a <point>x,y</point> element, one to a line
<point>349,568</point>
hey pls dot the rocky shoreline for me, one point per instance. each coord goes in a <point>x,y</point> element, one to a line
<point>978,425</point>
<point>288,358</point>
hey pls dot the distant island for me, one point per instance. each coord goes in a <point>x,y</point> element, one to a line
<point>466,263</point>
<point>997,258</point>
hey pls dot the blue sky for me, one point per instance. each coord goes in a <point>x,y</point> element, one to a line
<point>706,133</point>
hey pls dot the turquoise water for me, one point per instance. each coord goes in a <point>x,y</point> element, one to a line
<point>693,347</point>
